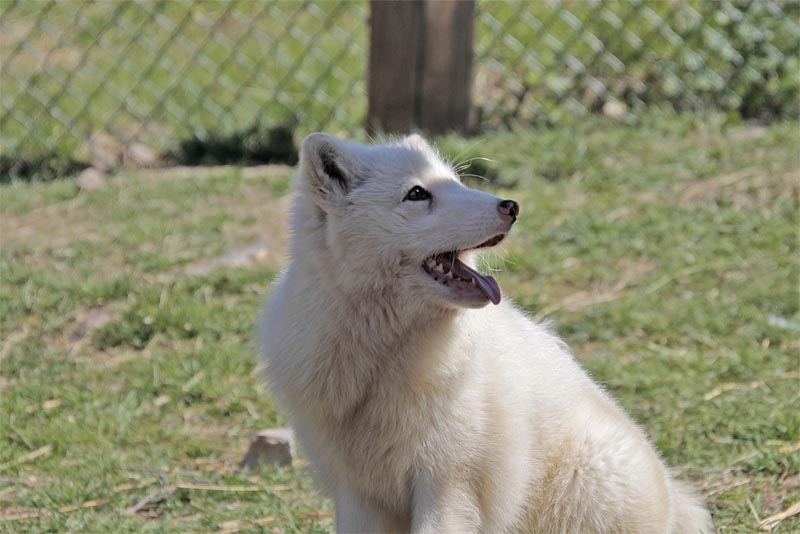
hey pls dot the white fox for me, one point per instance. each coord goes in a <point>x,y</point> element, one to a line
<point>420,408</point>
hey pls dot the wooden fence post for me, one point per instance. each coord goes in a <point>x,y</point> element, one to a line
<point>420,65</point>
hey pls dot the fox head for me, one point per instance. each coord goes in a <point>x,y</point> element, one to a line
<point>395,221</point>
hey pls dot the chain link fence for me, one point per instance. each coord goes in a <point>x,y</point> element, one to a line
<point>537,61</point>
<point>126,80</point>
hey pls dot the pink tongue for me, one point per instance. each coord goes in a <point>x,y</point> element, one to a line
<point>487,284</point>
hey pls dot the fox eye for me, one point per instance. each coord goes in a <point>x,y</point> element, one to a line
<point>417,193</point>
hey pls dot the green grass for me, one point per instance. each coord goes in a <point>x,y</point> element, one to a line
<point>665,254</point>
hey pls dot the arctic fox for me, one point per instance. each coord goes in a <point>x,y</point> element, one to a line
<point>422,409</point>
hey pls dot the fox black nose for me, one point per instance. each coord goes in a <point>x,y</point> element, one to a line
<point>509,208</point>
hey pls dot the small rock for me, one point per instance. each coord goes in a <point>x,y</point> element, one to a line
<point>51,404</point>
<point>273,447</point>
<point>237,258</point>
<point>105,151</point>
<point>614,110</point>
<point>139,155</point>
<point>91,180</point>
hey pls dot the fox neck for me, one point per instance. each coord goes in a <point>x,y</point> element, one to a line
<point>376,320</point>
<point>347,346</point>
<point>366,305</point>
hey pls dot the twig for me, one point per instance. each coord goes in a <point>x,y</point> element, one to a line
<point>47,449</point>
<point>46,405</point>
<point>206,487</point>
<point>12,341</point>
<point>753,510</point>
<point>772,521</point>
<point>17,516</point>
<point>161,494</point>
<point>746,456</point>
<point>192,381</point>
<point>677,276</point>
<point>251,523</point>
<point>313,515</point>
<point>154,496</point>
<point>730,386</point>
<point>726,486</point>
<point>87,504</point>
<point>140,485</point>
<point>583,299</point>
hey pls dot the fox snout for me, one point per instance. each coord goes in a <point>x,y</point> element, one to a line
<point>509,209</point>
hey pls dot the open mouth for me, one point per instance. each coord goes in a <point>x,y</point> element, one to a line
<point>460,279</point>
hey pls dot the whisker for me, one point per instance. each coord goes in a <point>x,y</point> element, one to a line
<point>469,175</point>
<point>509,261</point>
<point>467,163</point>
<point>457,162</point>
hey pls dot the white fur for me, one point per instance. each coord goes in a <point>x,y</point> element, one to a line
<point>421,415</point>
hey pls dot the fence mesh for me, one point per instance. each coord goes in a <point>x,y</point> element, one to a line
<point>76,75</point>
<point>539,60</point>
<point>80,74</point>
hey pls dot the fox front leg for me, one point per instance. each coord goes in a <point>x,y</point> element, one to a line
<point>443,506</point>
<point>356,515</point>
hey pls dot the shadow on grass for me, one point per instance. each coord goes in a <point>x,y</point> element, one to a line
<point>43,168</point>
<point>252,146</point>
<point>255,145</point>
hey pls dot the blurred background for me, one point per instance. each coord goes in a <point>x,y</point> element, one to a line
<point>147,150</point>
<point>126,82</point>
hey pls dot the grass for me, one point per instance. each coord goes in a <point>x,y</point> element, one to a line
<point>665,254</point>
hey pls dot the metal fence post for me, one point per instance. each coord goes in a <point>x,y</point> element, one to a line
<point>420,65</point>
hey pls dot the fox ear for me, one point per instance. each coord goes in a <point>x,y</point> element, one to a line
<point>417,141</point>
<point>328,168</point>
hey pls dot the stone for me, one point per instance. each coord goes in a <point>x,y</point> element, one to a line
<point>139,155</point>
<point>272,448</point>
<point>615,110</point>
<point>105,151</point>
<point>91,180</point>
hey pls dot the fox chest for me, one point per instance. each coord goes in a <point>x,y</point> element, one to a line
<point>392,437</point>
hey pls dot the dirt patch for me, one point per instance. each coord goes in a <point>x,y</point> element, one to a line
<point>92,320</point>
<point>88,322</point>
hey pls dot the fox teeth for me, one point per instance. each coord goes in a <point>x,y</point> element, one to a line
<point>472,281</point>
<point>431,263</point>
<point>449,274</point>
<point>439,268</point>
